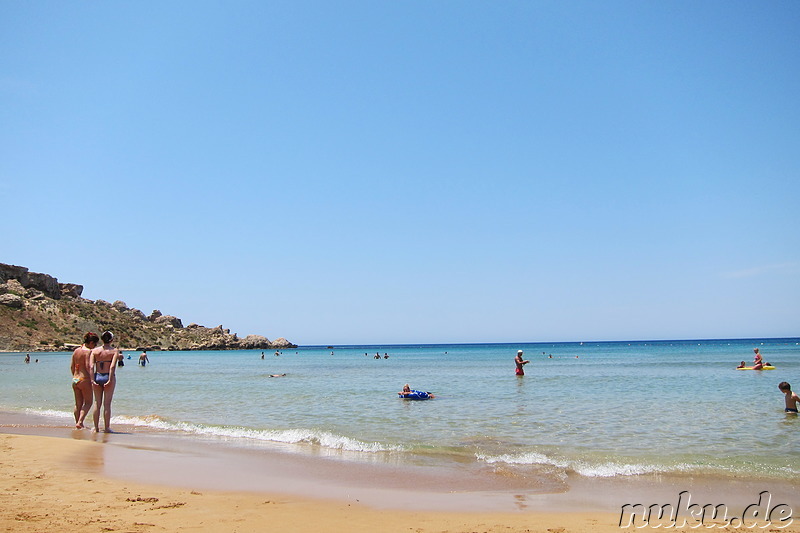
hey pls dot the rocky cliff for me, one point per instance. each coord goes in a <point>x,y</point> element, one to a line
<point>37,313</point>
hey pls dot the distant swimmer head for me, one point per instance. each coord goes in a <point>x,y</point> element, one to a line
<point>107,336</point>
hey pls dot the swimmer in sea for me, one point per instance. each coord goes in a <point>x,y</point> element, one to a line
<point>81,378</point>
<point>790,397</point>
<point>407,390</point>
<point>103,362</point>
<point>143,359</point>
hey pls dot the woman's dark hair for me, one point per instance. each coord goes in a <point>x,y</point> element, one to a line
<point>107,336</point>
<point>91,337</point>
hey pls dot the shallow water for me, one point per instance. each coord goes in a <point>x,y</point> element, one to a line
<point>595,409</point>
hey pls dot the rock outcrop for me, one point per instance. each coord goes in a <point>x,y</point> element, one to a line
<point>169,320</point>
<point>46,284</point>
<point>254,342</point>
<point>37,313</point>
<point>70,290</point>
<point>11,300</point>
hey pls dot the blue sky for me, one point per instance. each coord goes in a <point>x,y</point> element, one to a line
<point>404,172</point>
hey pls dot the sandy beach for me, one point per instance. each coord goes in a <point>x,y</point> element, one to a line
<point>49,484</point>
<point>56,479</point>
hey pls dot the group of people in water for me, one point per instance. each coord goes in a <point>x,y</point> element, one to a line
<point>93,367</point>
<point>758,361</point>
<point>790,398</point>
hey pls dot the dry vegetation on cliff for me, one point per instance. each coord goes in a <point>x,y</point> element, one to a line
<point>39,314</point>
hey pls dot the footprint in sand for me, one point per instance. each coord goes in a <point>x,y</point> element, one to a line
<point>520,501</point>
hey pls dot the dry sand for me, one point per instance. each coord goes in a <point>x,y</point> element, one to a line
<point>50,484</point>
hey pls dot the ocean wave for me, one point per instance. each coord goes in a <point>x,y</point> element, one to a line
<point>50,412</point>
<point>324,439</point>
<point>614,468</point>
<point>599,467</point>
<point>583,468</point>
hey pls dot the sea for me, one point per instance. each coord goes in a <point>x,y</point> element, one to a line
<point>587,409</point>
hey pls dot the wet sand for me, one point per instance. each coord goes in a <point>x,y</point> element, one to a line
<point>55,477</point>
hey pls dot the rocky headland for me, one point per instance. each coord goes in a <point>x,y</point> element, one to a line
<point>37,313</point>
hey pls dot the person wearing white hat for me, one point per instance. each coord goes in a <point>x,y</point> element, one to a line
<point>520,362</point>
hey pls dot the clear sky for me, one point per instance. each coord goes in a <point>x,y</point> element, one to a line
<point>410,172</point>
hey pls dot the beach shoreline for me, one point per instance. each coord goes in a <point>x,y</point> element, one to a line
<point>522,457</point>
<point>52,483</point>
<point>174,464</point>
<point>43,489</point>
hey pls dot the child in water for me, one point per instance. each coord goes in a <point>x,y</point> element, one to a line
<point>790,397</point>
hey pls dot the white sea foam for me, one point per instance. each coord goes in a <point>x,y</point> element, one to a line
<point>615,469</point>
<point>287,436</point>
<point>50,412</point>
<point>583,468</point>
<point>324,439</point>
<point>527,458</point>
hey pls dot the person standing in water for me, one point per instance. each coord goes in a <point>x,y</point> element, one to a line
<point>103,364</point>
<point>82,379</point>
<point>143,360</point>
<point>520,363</point>
<point>791,398</point>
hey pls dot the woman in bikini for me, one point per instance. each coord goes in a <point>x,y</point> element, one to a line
<point>81,378</point>
<point>103,364</point>
<point>758,362</point>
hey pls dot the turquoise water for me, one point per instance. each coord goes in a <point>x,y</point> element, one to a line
<point>595,409</point>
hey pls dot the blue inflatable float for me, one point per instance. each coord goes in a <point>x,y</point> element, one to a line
<point>415,395</point>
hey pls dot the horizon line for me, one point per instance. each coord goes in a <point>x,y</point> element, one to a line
<point>797,338</point>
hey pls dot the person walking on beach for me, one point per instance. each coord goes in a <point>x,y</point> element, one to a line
<point>81,378</point>
<point>520,363</point>
<point>790,397</point>
<point>103,364</point>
